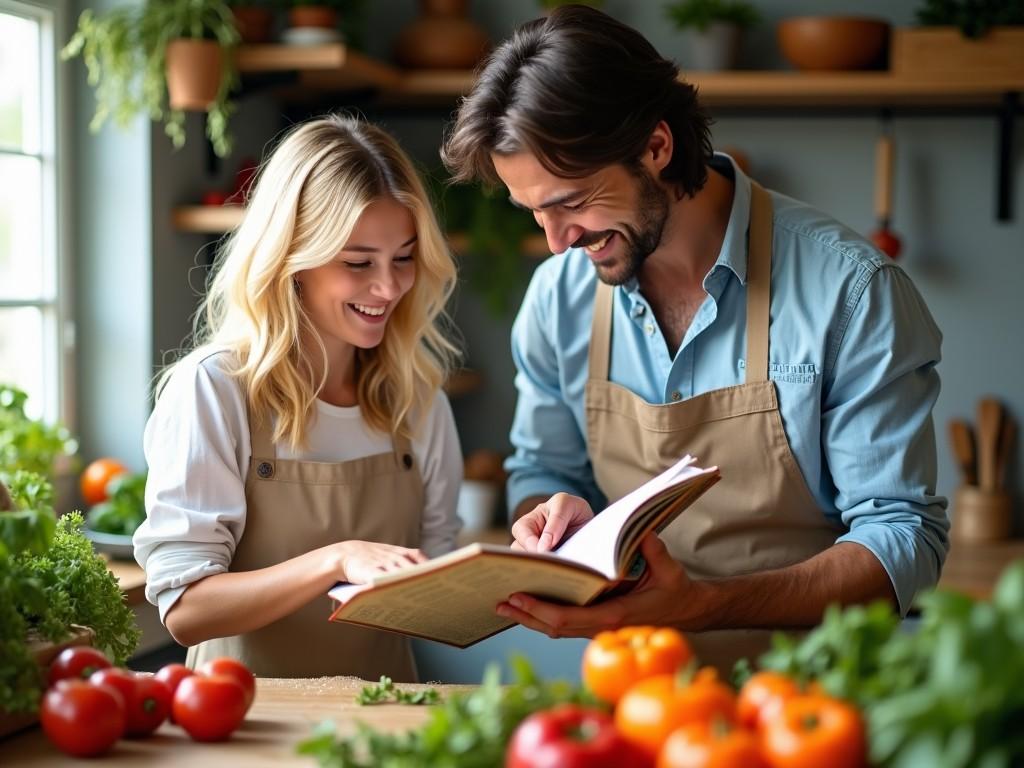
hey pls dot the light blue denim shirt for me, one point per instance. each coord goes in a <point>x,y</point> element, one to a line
<point>852,352</point>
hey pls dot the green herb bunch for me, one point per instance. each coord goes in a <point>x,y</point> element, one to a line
<point>386,692</point>
<point>469,730</point>
<point>29,444</point>
<point>125,54</point>
<point>125,507</point>
<point>701,14</point>
<point>50,579</point>
<point>947,694</point>
<point>972,17</point>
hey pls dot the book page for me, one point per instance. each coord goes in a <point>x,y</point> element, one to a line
<point>596,543</point>
<point>455,604</point>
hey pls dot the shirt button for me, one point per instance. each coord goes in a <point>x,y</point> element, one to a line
<point>639,311</point>
<point>649,329</point>
<point>676,397</point>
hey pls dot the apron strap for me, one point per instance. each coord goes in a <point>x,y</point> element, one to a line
<point>260,438</point>
<point>759,283</point>
<point>601,333</point>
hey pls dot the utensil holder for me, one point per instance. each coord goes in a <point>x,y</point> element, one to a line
<point>981,516</point>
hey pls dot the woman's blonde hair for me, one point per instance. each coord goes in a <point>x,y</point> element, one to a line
<point>306,202</point>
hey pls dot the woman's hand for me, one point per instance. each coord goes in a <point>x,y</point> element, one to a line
<point>549,523</point>
<point>360,561</point>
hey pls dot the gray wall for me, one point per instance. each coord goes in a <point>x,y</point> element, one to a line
<point>134,300</point>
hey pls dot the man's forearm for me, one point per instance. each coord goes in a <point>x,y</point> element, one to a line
<point>795,596</point>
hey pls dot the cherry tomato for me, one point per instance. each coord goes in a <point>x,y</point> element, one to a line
<point>649,711</point>
<point>82,719</point>
<point>614,660</point>
<point>570,736</point>
<point>209,708</point>
<point>93,482</point>
<point>705,744</point>
<point>78,661</point>
<point>147,700</point>
<point>761,697</point>
<point>171,675</point>
<point>815,730</point>
<point>235,669</point>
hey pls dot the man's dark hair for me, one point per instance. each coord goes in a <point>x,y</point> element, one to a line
<point>580,91</point>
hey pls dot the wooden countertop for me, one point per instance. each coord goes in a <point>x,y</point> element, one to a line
<point>282,715</point>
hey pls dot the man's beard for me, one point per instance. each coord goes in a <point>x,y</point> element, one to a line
<point>644,238</point>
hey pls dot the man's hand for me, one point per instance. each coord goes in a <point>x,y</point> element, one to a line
<point>665,596</point>
<point>550,522</point>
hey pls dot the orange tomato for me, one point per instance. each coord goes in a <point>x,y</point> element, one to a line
<point>762,696</point>
<point>649,711</point>
<point>815,730</point>
<point>94,479</point>
<point>707,744</point>
<point>616,659</point>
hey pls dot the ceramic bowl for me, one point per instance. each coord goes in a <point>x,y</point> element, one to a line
<point>833,42</point>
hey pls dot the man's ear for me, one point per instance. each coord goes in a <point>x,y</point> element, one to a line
<point>659,149</point>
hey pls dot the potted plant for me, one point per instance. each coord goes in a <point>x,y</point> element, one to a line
<point>961,38</point>
<point>253,19</point>
<point>29,444</point>
<point>711,30</point>
<point>313,22</point>
<point>161,59</point>
<point>54,591</point>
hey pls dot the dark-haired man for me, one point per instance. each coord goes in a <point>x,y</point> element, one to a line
<point>690,311</point>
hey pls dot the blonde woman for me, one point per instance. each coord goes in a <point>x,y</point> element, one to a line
<point>306,441</point>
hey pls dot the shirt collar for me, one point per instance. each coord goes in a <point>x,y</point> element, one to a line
<point>733,255</point>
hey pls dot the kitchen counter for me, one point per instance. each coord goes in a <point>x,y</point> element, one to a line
<point>282,715</point>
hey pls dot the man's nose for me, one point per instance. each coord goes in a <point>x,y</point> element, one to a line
<point>560,235</point>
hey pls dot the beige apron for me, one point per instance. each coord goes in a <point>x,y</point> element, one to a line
<point>761,515</point>
<point>293,507</point>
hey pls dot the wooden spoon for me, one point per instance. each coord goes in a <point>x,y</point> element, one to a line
<point>1006,437</point>
<point>990,417</point>
<point>961,436</point>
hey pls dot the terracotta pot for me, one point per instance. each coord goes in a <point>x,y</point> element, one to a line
<point>313,16</point>
<point>441,38</point>
<point>253,23</point>
<point>194,69</point>
<point>831,43</point>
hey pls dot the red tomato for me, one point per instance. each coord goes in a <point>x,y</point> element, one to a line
<point>235,669</point>
<point>147,700</point>
<point>171,675</point>
<point>82,719</point>
<point>704,744</point>
<point>615,659</point>
<point>570,736</point>
<point>78,661</point>
<point>209,708</point>
<point>762,696</point>
<point>94,479</point>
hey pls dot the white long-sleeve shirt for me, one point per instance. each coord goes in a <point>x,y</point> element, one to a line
<point>197,446</point>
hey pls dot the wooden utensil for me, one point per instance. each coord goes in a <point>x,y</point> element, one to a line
<point>990,417</point>
<point>1006,437</point>
<point>883,237</point>
<point>961,437</point>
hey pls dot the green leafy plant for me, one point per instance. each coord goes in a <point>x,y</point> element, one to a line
<point>29,444</point>
<point>494,265</point>
<point>701,14</point>
<point>386,692</point>
<point>947,694</point>
<point>125,54</point>
<point>125,507</point>
<point>972,17</point>
<point>468,730</point>
<point>50,579</point>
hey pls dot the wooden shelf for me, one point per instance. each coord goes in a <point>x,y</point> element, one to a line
<point>220,219</point>
<point>278,58</point>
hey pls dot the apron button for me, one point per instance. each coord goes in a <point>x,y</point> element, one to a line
<point>265,470</point>
<point>676,397</point>
<point>407,461</point>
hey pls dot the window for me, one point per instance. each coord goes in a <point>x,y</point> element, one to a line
<point>35,332</point>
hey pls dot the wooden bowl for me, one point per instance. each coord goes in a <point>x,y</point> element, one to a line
<point>833,42</point>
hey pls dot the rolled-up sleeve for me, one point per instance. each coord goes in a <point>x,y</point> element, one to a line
<point>878,435</point>
<point>550,449</point>
<point>196,445</point>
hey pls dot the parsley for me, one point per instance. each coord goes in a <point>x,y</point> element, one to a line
<point>469,729</point>
<point>385,691</point>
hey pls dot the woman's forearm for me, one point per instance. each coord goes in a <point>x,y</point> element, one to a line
<point>236,603</point>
